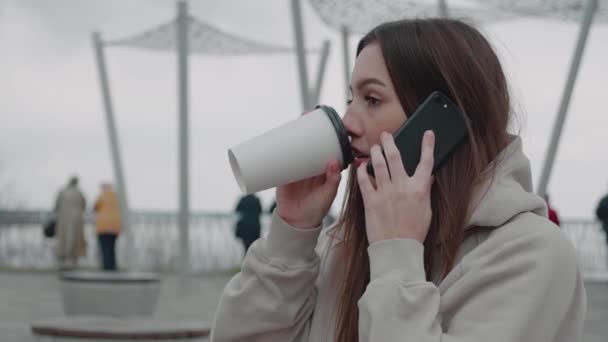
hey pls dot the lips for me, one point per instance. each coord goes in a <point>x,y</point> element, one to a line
<point>359,157</point>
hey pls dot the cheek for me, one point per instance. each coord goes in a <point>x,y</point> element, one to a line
<point>373,134</point>
<point>389,124</point>
<point>396,119</point>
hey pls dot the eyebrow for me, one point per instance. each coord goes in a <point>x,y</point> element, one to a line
<point>367,81</point>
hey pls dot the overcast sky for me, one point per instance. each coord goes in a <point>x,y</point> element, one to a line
<point>52,122</point>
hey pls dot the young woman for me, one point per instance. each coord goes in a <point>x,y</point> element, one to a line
<point>464,254</point>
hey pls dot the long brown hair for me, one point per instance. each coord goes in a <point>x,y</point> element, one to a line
<point>422,56</point>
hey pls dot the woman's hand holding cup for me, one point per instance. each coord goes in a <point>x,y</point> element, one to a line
<point>309,168</point>
<point>304,204</point>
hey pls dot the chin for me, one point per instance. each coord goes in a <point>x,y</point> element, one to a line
<point>358,161</point>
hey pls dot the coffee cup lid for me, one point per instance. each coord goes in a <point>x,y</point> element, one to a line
<point>347,155</point>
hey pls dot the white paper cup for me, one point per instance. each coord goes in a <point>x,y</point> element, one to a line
<point>297,150</point>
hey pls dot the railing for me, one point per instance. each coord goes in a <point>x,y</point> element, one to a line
<point>212,242</point>
<point>589,240</point>
<point>155,236</point>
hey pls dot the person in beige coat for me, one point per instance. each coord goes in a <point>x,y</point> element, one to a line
<point>69,210</point>
<point>462,254</point>
<point>107,225</point>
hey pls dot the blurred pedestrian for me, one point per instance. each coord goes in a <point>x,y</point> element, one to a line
<point>248,226</point>
<point>602,214</point>
<point>107,225</point>
<point>553,217</point>
<point>69,210</point>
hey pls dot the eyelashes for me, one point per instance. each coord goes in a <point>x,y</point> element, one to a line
<point>370,100</point>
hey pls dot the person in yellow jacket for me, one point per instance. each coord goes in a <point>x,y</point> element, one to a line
<point>107,225</point>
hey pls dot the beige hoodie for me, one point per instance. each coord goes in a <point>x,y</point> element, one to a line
<point>519,281</point>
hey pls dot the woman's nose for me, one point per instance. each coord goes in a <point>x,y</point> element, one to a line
<point>353,127</point>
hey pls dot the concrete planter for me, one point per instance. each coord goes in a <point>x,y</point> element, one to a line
<point>109,293</point>
<point>97,329</point>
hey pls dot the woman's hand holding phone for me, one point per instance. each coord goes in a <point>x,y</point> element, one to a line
<point>397,206</point>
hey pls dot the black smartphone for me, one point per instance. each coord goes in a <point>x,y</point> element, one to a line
<point>439,114</point>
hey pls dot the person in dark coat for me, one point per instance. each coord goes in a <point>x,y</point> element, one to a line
<point>602,214</point>
<point>248,226</point>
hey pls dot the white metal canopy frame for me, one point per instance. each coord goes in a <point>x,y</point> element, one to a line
<point>185,34</point>
<point>556,9</point>
<point>358,16</point>
<point>203,39</point>
<point>584,10</point>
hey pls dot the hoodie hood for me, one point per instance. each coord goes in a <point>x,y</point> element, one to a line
<point>509,192</point>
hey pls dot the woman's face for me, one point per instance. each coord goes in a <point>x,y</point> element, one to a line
<point>374,107</point>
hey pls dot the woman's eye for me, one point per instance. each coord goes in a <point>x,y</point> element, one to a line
<point>372,100</point>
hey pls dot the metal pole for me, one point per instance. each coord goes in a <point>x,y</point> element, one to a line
<point>590,9</point>
<point>121,188</point>
<point>443,8</point>
<point>300,54</point>
<point>184,205</point>
<point>346,56</point>
<point>320,72</point>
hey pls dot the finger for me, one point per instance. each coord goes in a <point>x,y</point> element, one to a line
<point>332,174</point>
<point>425,166</point>
<point>365,184</point>
<point>393,157</point>
<point>322,179</point>
<point>331,180</point>
<point>383,179</point>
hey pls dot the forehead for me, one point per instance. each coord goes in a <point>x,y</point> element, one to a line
<point>370,64</point>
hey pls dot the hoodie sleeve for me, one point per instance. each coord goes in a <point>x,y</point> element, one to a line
<point>515,288</point>
<point>273,297</point>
